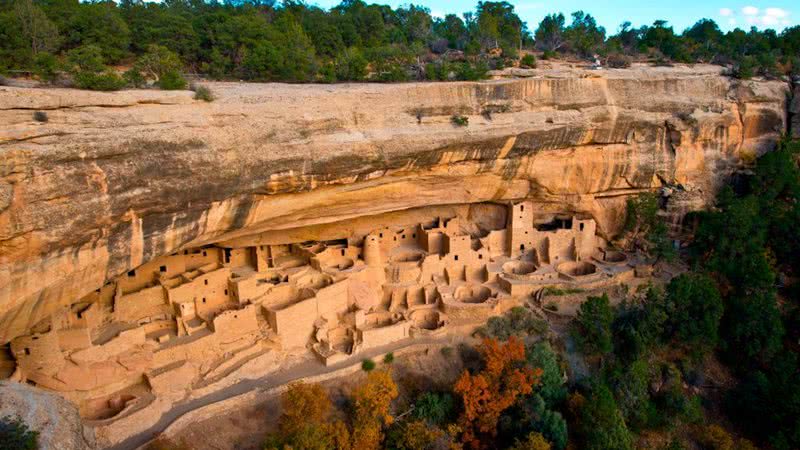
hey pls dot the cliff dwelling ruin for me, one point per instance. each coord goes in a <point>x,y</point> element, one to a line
<point>187,319</point>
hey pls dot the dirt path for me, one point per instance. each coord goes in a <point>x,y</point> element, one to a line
<point>303,370</point>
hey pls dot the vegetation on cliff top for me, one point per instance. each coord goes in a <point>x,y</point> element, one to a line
<point>296,42</point>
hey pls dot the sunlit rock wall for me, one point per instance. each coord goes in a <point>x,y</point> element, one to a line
<point>113,180</point>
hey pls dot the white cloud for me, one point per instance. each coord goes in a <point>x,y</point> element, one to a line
<point>725,12</point>
<point>750,11</point>
<point>770,17</point>
<point>778,13</point>
<point>732,21</point>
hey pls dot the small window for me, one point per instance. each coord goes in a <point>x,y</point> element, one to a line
<point>205,282</point>
<point>581,227</point>
<point>235,316</point>
<point>342,252</point>
<point>132,273</point>
<point>79,315</point>
<point>455,257</point>
<point>163,268</point>
<point>204,253</point>
<point>27,351</point>
<point>226,292</point>
<point>380,234</point>
<point>522,246</point>
<point>204,299</point>
<point>414,236</point>
<point>522,207</point>
<point>404,236</point>
<point>395,238</point>
<point>480,256</point>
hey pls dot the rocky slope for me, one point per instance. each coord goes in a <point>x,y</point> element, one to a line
<point>55,418</point>
<point>112,180</point>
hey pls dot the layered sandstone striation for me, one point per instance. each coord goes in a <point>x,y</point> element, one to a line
<point>114,180</point>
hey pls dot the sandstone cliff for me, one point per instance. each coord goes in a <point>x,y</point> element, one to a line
<point>113,180</point>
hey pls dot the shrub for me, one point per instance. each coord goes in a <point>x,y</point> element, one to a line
<point>714,437</point>
<point>15,435</point>
<point>518,322</point>
<point>106,81</point>
<point>388,358</point>
<point>367,365</point>
<point>618,61</point>
<point>528,61</point>
<point>460,121</point>
<point>45,66</point>
<point>134,77</point>
<point>40,116</point>
<point>202,93</point>
<point>172,81</point>
<point>744,68</point>
<point>549,54</point>
<point>434,408</point>
<point>351,66</point>
<point>534,441</point>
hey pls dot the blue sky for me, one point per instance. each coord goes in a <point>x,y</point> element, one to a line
<point>776,14</point>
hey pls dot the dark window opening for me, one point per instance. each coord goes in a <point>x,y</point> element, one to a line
<point>414,236</point>
<point>204,253</point>
<point>342,252</point>
<point>581,227</point>
<point>522,207</point>
<point>205,282</point>
<point>132,273</point>
<point>163,268</point>
<point>480,256</point>
<point>226,292</point>
<point>204,299</point>
<point>27,351</point>
<point>456,257</point>
<point>380,234</point>
<point>395,238</point>
<point>227,255</point>
<point>404,236</point>
<point>235,316</point>
<point>522,246</point>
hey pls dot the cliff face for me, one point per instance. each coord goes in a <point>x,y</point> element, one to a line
<point>112,180</point>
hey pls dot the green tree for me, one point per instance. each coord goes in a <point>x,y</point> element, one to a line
<point>646,230</point>
<point>15,434</point>
<point>601,423</point>
<point>550,33</point>
<point>583,35</point>
<point>351,65</point>
<point>158,62</point>
<point>37,30</point>
<point>693,309</point>
<point>45,66</point>
<point>552,389</point>
<point>592,326</point>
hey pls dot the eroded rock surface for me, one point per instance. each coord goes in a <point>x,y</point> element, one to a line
<point>55,418</point>
<point>113,180</point>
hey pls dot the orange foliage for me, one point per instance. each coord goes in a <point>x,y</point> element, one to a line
<point>372,401</point>
<point>303,404</point>
<point>487,394</point>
